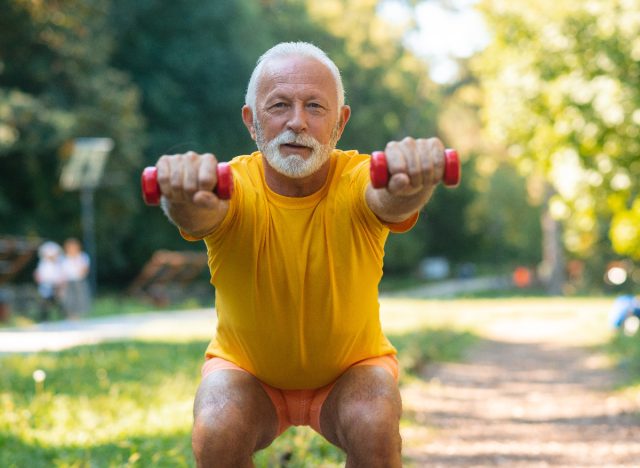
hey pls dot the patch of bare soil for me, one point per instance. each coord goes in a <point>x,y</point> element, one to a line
<point>530,395</point>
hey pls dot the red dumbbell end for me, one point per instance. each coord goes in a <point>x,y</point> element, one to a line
<point>378,170</point>
<point>451,176</point>
<point>224,188</point>
<point>150,189</point>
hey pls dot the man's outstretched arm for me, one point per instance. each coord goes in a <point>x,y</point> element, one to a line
<point>415,167</point>
<point>187,182</point>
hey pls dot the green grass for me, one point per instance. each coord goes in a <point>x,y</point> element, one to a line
<point>103,306</point>
<point>129,404</point>
<point>625,351</point>
<point>120,305</point>
<point>418,349</point>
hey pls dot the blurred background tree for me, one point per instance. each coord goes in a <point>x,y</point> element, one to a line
<point>561,83</point>
<point>557,91</point>
<point>190,62</point>
<point>56,84</point>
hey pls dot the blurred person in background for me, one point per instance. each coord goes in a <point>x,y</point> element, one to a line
<point>76,296</point>
<point>625,314</point>
<point>50,279</point>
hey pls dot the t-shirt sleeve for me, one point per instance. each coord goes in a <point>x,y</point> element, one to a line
<point>403,226</point>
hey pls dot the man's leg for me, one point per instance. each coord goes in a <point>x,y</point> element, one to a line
<point>361,415</point>
<point>232,418</point>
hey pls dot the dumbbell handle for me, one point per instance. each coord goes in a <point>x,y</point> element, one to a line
<point>380,173</point>
<point>151,192</point>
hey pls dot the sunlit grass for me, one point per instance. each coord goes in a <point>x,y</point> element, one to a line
<point>129,403</point>
<point>103,306</point>
<point>625,351</point>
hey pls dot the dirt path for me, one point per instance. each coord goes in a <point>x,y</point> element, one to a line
<point>530,395</point>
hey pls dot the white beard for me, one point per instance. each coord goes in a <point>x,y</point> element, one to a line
<point>294,165</point>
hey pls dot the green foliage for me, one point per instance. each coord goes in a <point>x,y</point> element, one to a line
<point>56,84</point>
<point>442,230</point>
<point>117,68</point>
<point>191,73</point>
<point>502,218</point>
<point>561,81</point>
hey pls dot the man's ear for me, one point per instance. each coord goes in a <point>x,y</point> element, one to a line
<point>345,113</point>
<point>247,118</point>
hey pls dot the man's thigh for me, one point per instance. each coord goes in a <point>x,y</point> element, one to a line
<point>233,400</point>
<point>362,396</point>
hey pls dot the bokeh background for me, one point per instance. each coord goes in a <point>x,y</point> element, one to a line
<point>543,104</point>
<point>541,99</point>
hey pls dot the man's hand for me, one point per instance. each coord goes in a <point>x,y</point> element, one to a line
<point>415,167</point>
<point>187,182</point>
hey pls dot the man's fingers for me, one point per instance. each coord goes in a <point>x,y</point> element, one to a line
<point>400,166</point>
<point>190,163</point>
<point>165,170</point>
<point>205,199</point>
<point>399,184</point>
<point>437,152</point>
<point>207,176</point>
<point>188,178</point>
<point>414,165</point>
<point>395,160</point>
<point>431,158</point>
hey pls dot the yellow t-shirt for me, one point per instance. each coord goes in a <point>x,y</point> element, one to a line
<point>297,278</point>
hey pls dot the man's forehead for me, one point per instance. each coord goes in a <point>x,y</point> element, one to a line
<point>296,70</point>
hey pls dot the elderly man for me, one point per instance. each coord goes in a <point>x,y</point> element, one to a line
<point>296,258</point>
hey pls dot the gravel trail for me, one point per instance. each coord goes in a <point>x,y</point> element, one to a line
<point>530,394</point>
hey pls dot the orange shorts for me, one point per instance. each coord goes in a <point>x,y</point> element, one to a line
<point>300,407</point>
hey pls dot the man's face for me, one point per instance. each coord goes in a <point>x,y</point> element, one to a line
<point>294,164</point>
<point>297,122</point>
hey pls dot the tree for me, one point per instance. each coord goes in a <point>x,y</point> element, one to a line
<point>562,86</point>
<point>192,73</point>
<point>55,85</point>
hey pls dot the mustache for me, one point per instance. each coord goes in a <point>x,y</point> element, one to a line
<point>290,137</point>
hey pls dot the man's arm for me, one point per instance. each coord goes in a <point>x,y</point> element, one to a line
<point>415,166</point>
<point>187,182</point>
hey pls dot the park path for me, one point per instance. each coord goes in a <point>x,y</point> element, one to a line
<point>56,336</point>
<point>531,394</point>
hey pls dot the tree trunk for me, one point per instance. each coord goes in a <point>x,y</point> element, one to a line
<point>552,269</point>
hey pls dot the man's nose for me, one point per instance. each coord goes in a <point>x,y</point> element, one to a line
<point>298,118</point>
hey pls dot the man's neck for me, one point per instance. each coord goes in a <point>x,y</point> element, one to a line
<point>294,187</point>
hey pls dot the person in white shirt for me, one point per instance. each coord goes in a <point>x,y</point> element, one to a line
<point>50,279</point>
<point>76,297</point>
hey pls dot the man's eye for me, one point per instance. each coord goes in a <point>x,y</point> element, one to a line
<point>279,105</point>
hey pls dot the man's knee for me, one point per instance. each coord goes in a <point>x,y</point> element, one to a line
<point>231,414</point>
<point>218,423</point>
<point>365,411</point>
<point>375,422</point>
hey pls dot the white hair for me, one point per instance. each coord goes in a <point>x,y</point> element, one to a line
<point>288,49</point>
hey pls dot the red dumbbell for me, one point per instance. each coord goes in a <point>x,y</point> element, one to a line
<point>380,173</point>
<point>151,189</point>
